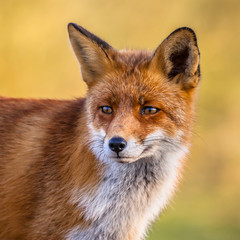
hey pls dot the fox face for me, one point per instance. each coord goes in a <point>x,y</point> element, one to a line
<point>139,103</point>
<point>135,116</point>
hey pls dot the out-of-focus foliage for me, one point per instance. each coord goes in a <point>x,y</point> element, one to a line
<point>36,61</point>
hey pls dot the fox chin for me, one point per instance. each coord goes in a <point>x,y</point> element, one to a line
<point>101,167</point>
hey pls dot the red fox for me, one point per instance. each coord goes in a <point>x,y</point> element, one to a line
<point>104,166</point>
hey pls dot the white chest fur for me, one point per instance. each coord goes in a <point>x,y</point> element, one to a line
<point>129,197</point>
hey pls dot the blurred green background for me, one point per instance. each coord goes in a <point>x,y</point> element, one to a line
<point>36,61</point>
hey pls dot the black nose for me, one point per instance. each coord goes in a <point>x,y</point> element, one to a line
<point>117,144</point>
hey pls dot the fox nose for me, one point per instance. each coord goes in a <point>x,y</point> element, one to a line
<point>117,144</point>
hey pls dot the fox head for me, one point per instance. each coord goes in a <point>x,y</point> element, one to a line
<point>139,103</point>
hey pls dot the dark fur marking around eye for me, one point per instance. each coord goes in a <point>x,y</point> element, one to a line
<point>141,100</point>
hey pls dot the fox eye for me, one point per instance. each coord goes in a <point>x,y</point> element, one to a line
<point>107,110</point>
<point>149,110</point>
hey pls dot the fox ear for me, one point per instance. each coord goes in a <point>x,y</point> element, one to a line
<point>178,58</point>
<point>91,53</point>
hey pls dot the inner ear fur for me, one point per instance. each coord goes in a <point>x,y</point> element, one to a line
<point>91,52</point>
<point>177,58</point>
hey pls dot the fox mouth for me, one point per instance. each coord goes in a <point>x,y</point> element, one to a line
<point>126,159</point>
<point>120,160</point>
<point>121,157</point>
<point>130,159</point>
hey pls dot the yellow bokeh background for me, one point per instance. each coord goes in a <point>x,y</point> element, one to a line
<point>36,61</point>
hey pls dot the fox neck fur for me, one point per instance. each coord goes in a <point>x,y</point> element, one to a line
<point>130,196</point>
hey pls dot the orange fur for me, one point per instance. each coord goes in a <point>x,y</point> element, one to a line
<point>39,164</point>
<point>45,157</point>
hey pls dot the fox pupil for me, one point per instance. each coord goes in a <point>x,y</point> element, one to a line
<point>150,110</point>
<point>107,110</point>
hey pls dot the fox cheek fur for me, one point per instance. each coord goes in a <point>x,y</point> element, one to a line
<point>101,167</point>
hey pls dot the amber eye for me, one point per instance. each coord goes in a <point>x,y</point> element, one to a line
<point>149,110</point>
<point>107,110</point>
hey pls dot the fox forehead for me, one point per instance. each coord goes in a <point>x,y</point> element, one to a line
<point>138,87</point>
<point>131,76</point>
<point>127,93</point>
